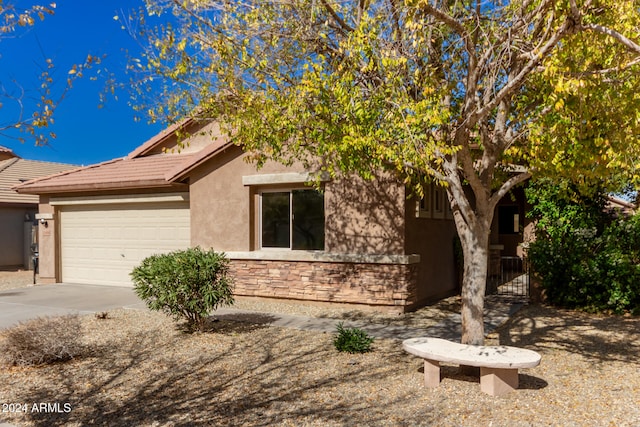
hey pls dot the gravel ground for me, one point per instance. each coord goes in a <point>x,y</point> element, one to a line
<point>138,369</point>
<point>15,279</point>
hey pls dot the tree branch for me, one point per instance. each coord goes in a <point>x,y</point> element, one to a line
<point>614,34</point>
<point>524,72</point>
<point>343,25</point>
<point>445,18</point>
<point>507,186</point>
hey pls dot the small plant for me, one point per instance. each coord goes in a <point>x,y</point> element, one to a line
<point>187,285</point>
<point>102,315</point>
<point>352,340</point>
<point>41,341</point>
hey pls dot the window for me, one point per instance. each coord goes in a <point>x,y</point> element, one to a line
<point>292,220</point>
<point>423,205</point>
<point>508,219</point>
<point>438,201</point>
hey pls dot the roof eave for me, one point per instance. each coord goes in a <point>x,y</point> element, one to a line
<point>19,187</point>
<point>102,186</point>
<point>182,170</point>
<point>159,138</point>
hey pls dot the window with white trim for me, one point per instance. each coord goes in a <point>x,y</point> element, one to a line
<point>292,220</point>
<point>423,205</point>
<point>438,201</point>
<point>434,203</point>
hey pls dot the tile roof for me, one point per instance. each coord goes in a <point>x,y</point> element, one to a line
<point>7,153</point>
<point>198,158</point>
<point>157,139</point>
<point>118,174</point>
<point>15,170</point>
<point>616,205</point>
<point>148,166</point>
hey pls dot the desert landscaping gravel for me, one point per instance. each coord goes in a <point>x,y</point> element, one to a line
<point>13,279</point>
<point>138,369</point>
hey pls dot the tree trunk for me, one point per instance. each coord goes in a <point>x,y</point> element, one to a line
<point>475,247</point>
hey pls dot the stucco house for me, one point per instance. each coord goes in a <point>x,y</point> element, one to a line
<point>17,211</point>
<point>355,242</point>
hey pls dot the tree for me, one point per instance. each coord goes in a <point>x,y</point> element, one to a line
<point>476,95</point>
<point>29,113</point>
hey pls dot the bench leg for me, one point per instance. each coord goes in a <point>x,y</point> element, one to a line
<point>431,373</point>
<point>497,382</point>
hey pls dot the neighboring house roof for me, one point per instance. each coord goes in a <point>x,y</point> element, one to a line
<point>7,153</point>
<point>146,167</point>
<point>618,205</point>
<point>14,171</point>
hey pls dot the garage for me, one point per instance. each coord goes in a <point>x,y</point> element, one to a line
<point>102,243</point>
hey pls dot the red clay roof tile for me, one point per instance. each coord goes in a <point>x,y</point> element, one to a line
<point>140,172</point>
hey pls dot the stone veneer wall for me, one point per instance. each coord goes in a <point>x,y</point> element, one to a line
<point>377,284</point>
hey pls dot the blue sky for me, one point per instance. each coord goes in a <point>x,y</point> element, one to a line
<point>86,134</point>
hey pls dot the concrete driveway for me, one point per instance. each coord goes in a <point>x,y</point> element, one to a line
<point>50,300</point>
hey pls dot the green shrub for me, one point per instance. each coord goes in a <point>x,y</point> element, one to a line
<point>41,341</point>
<point>584,257</point>
<point>187,285</point>
<point>352,340</point>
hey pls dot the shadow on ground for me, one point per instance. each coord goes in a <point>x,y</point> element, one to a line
<point>598,338</point>
<point>207,387</point>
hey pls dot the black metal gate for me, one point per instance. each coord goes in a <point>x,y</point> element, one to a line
<point>511,278</point>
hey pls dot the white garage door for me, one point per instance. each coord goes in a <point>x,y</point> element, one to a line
<point>101,244</point>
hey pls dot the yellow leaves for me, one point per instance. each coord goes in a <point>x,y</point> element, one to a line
<point>25,19</point>
<point>559,104</point>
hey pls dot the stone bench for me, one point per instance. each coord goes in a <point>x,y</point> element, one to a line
<point>498,364</point>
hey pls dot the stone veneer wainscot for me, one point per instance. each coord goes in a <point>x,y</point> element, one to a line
<point>372,280</point>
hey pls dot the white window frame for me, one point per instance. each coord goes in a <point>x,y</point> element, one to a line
<point>438,201</point>
<point>424,212</point>
<point>289,190</point>
<point>280,190</point>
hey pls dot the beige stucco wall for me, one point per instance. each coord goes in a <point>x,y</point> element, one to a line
<point>360,217</point>
<point>365,217</point>
<point>433,240</point>
<point>221,212</point>
<point>47,244</point>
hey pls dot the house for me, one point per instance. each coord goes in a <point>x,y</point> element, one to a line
<point>355,242</point>
<point>17,211</point>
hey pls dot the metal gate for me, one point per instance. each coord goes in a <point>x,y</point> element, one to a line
<point>511,278</point>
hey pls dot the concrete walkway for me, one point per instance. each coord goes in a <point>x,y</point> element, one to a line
<point>21,304</point>
<point>49,300</point>
<point>497,311</point>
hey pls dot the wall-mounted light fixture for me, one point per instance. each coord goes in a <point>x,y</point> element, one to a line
<point>43,218</point>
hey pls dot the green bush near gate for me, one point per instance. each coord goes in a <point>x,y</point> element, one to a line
<point>585,257</point>
<point>187,284</point>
